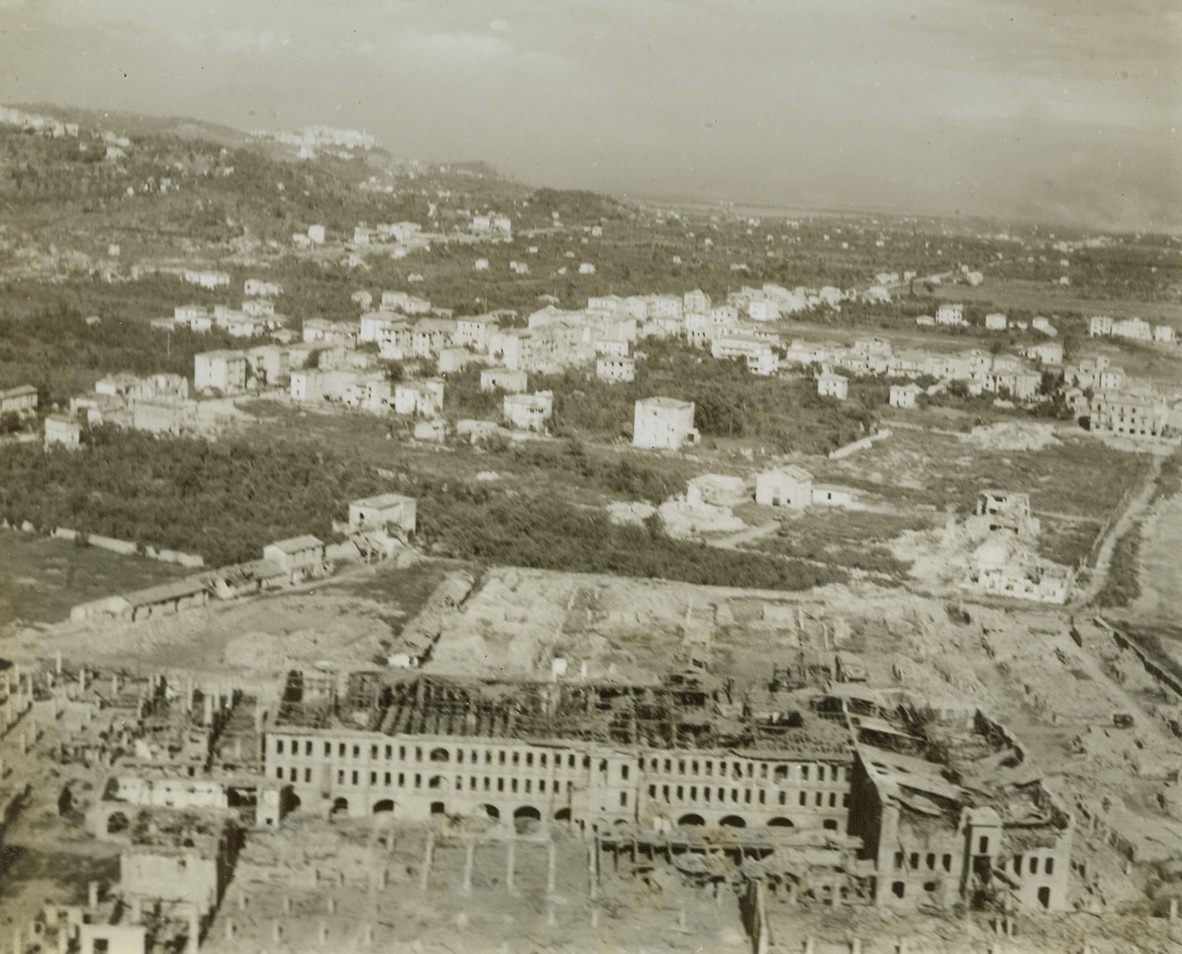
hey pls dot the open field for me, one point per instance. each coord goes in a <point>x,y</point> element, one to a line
<point>346,621</point>
<point>1048,298</point>
<point>935,469</point>
<point>41,579</point>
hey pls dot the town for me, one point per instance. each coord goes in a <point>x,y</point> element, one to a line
<point>476,567</point>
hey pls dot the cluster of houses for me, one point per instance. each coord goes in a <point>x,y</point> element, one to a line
<point>36,123</point>
<point>376,528</point>
<point>1131,329</point>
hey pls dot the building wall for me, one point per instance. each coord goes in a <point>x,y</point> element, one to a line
<point>414,776</point>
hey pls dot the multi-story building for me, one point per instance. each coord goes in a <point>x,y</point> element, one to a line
<point>615,369</point>
<point>833,385</point>
<point>592,755</point>
<point>1129,413</point>
<point>222,370</point>
<point>950,313</point>
<point>967,828</point>
<point>473,331</point>
<point>665,423</point>
<point>529,412</point>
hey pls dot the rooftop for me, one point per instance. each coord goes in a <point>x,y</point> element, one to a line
<point>382,500</point>
<point>296,544</point>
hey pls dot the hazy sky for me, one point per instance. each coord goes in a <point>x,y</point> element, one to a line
<point>1040,108</point>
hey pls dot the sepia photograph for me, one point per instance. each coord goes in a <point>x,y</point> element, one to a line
<point>591,476</point>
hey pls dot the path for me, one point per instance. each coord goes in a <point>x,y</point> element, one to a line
<point>1123,524</point>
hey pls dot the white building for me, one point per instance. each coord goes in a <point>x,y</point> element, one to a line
<point>664,423</point>
<point>419,398</point>
<point>833,385</point>
<point>790,486</point>
<point>904,395</point>
<point>63,431</point>
<point>210,280</point>
<point>473,331</point>
<point>763,309</point>
<point>257,288</point>
<point>529,412</point>
<point>1099,326</point>
<point>223,370</point>
<point>316,234</point>
<point>950,313</point>
<point>615,370</point>
<point>384,512</point>
<point>996,321</point>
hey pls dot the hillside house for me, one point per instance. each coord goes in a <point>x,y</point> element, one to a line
<point>663,423</point>
<point>301,557</point>
<point>473,331</point>
<point>1133,329</point>
<point>529,412</point>
<point>204,279</point>
<point>405,302</point>
<point>270,364</point>
<point>391,513</point>
<point>789,486</point>
<point>1111,378</point>
<point>830,495</point>
<point>833,385</point>
<point>1047,353</point>
<point>996,321</point>
<point>21,401</point>
<point>257,288</point>
<point>904,395</point>
<point>224,371</point>
<point>615,370</point>
<point>419,398</point>
<point>1163,334</point>
<point>950,313</point>
<point>331,332</point>
<point>62,431</point>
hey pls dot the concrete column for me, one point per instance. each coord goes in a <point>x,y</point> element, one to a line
<point>810,945</point>
<point>856,945</point>
<point>510,864</point>
<point>242,901</point>
<point>332,905</point>
<point>63,938</point>
<point>92,894</point>
<point>287,905</point>
<point>276,931</point>
<point>229,929</point>
<point>594,918</point>
<point>323,934</point>
<point>592,874</point>
<point>428,853</point>
<point>550,914</point>
<point>551,868</point>
<point>1173,915</point>
<point>57,662</point>
<point>469,858</point>
<point>18,942</point>
<point>194,932</point>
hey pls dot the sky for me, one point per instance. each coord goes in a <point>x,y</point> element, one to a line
<point>1059,110</point>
